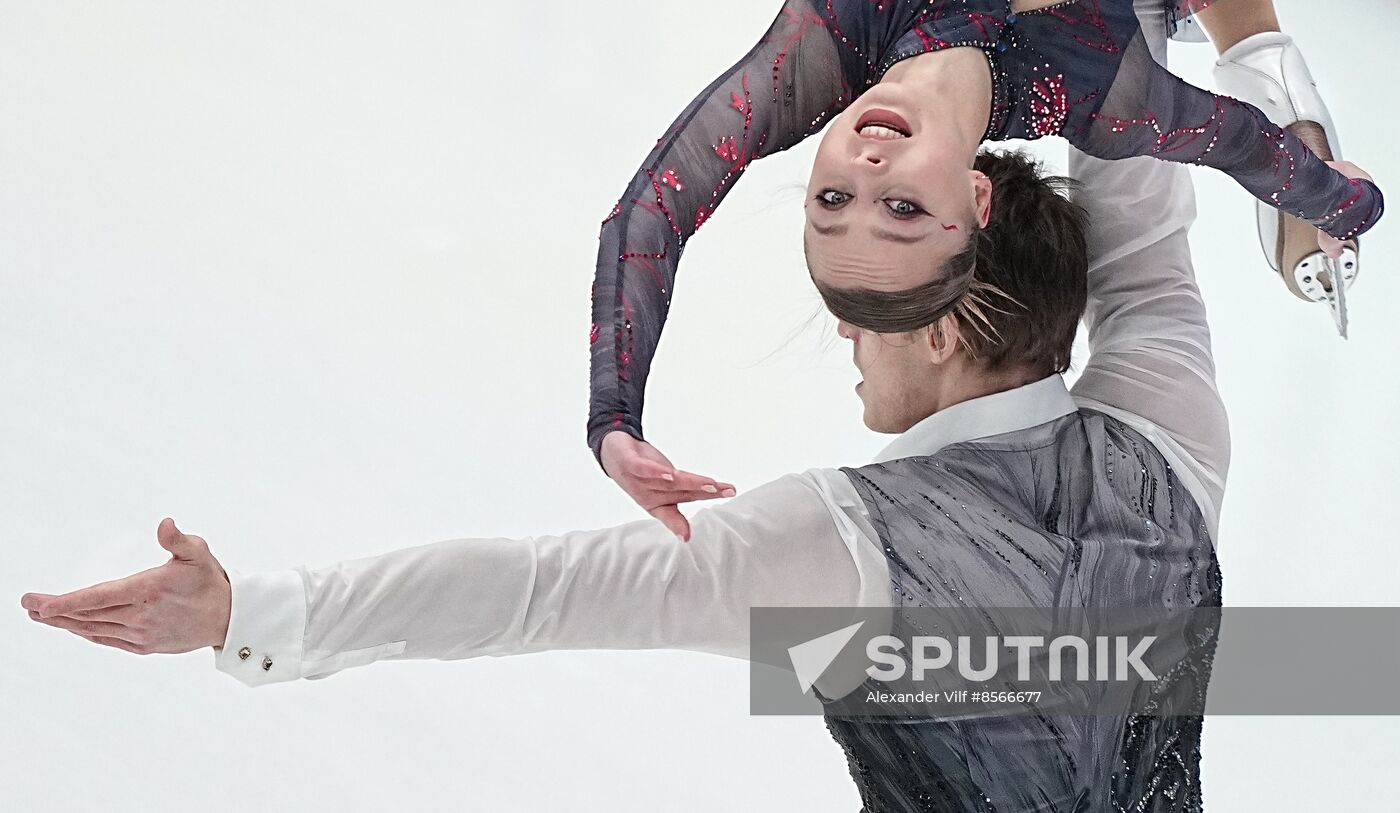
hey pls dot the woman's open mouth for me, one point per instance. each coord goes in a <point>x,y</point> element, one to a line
<point>885,125</point>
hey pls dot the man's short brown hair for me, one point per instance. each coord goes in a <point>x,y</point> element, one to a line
<point>1033,249</point>
<point>1018,287</point>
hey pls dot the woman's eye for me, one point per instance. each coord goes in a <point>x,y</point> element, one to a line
<point>831,197</point>
<point>904,208</point>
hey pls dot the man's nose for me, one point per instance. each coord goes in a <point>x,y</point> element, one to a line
<point>845,329</point>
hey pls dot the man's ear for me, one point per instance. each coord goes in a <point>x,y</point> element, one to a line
<point>943,338</point>
<point>981,197</point>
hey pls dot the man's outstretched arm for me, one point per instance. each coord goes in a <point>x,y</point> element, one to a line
<point>792,542</point>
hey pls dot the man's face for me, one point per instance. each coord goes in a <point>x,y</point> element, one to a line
<point>901,373</point>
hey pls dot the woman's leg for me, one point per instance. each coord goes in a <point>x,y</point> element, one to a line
<point>1230,21</point>
<point>1261,65</point>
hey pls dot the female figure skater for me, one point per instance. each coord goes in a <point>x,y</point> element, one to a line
<point>911,88</point>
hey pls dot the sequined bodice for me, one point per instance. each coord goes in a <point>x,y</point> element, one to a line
<point>1080,69</point>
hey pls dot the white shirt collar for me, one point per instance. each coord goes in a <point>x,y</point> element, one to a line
<point>1000,412</point>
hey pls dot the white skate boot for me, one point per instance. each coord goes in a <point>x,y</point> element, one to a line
<point>1267,70</point>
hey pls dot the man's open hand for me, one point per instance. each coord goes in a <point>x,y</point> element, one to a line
<point>180,606</point>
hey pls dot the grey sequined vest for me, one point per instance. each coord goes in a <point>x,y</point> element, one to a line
<point>1081,511</point>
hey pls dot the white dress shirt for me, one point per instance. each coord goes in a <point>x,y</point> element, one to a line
<point>801,540</point>
<point>804,539</point>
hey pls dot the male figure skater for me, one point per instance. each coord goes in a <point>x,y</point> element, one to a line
<point>1003,488</point>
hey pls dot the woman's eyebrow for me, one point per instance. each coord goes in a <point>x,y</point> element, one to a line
<point>890,236</point>
<point>896,237</point>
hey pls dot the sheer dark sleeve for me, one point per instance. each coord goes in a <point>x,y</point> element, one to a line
<point>1150,111</point>
<point>784,89</point>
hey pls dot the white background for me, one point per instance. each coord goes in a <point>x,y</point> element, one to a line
<point>313,279</point>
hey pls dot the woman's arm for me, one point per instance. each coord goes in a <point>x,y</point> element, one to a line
<point>784,89</point>
<point>1150,111</point>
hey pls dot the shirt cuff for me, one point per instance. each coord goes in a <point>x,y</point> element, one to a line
<point>266,628</point>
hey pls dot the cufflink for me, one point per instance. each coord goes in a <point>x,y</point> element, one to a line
<point>244,653</point>
<point>267,663</point>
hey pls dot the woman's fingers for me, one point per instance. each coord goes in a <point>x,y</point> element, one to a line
<point>689,482</point>
<point>673,519</point>
<point>657,477</point>
<point>695,482</point>
<point>648,468</point>
<point>1330,245</point>
<point>677,495</point>
<point>655,483</point>
<point>644,469</point>
<point>1350,170</point>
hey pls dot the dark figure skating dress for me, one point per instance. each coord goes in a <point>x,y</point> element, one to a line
<point>1080,70</point>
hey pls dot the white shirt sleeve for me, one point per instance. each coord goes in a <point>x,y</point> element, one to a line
<point>1150,361</point>
<point>800,540</point>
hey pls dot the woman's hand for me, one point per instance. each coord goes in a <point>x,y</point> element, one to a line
<point>657,486</point>
<point>180,606</point>
<point>1330,245</point>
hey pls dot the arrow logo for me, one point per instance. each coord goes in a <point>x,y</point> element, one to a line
<point>811,659</point>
